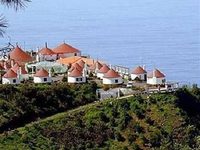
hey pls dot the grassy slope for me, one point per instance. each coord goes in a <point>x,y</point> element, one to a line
<point>131,123</point>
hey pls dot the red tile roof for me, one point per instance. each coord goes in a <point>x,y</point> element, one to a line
<point>16,67</point>
<point>42,73</point>
<point>65,48</point>
<point>75,73</point>
<point>111,74</point>
<point>46,51</point>
<point>10,74</point>
<point>139,70</point>
<point>104,69</point>
<point>81,63</point>
<point>156,73</point>
<point>18,54</point>
<point>96,64</point>
<point>75,65</point>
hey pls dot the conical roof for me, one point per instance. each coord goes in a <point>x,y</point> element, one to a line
<point>16,67</point>
<point>46,51</point>
<point>18,54</point>
<point>111,74</point>
<point>65,48</point>
<point>75,65</point>
<point>81,63</point>
<point>10,74</point>
<point>156,73</point>
<point>104,69</point>
<point>42,73</point>
<point>75,73</point>
<point>139,70</point>
<point>96,64</point>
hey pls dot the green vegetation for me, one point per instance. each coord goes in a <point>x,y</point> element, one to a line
<point>159,121</point>
<point>28,102</point>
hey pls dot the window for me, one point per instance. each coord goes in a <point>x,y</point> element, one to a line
<point>14,80</point>
<point>163,81</point>
<point>116,81</point>
<point>45,79</point>
<point>79,79</point>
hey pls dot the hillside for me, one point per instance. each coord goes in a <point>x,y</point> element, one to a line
<point>29,102</point>
<point>160,121</point>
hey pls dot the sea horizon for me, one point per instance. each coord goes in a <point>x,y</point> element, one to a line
<point>163,35</point>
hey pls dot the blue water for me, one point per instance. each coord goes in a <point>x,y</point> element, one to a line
<point>158,33</point>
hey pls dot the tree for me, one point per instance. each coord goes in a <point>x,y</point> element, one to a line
<point>16,4</point>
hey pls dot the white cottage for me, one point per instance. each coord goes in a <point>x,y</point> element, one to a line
<point>112,78</point>
<point>75,65</point>
<point>10,78</point>
<point>46,54</point>
<point>64,50</point>
<point>42,76</point>
<point>76,76</point>
<point>21,71</point>
<point>139,73</point>
<point>156,78</point>
<point>95,67</point>
<point>102,71</point>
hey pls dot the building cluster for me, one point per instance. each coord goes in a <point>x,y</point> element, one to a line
<point>65,59</point>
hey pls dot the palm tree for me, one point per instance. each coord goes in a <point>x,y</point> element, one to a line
<point>16,4</point>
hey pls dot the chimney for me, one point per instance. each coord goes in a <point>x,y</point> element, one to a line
<point>5,65</point>
<point>50,73</point>
<point>12,62</point>
<point>154,73</point>
<point>96,67</point>
<point>144,67</point>
<point>19,72</point>
<point>46,45</point>
<point>110,66</point>
<point>37,55</point>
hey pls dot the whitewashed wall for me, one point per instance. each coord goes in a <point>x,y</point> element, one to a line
<point>112,80</point>
<point>73,79</point>
<point>68,55</point>
<point>100,75</point>
<point>10,81</point>
<point>140,76</point>
<point>47,57</point>
<point>41,80</point>
<point>155,81</point>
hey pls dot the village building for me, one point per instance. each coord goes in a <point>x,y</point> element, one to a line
<point>81,63</point>
<point>64,50</point>
<point>47,65</point>
<point>104,69</point>
<point>46,54</point>
<point>139,73</point>
<point>73,66</point>
<point>21,71</point>
<point>42,76</point>
<point>112,78</point>
<point>156,78</point>
<point>77,76</point>
<point>94,68</point>
<point>10,77</point>
<point>18,55</point>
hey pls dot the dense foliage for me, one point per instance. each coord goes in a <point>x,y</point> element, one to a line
<point>28,102</point>
<point>160,121</point>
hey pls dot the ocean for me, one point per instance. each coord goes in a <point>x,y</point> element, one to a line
<point>155,33</point>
